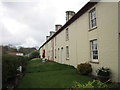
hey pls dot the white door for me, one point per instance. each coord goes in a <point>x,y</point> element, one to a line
<point>58,55</point>
<point>62,55</point>
<point>119,59</point>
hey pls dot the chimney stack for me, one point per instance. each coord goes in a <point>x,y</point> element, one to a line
<point>69,15</point>
<point>51,33</point>
<point>47,37</point>
<point>57,27</point>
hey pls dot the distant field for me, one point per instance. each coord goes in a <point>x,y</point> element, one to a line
<point>50,75</point>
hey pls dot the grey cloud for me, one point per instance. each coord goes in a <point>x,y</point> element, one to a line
<point>38,21</point>
<point>33,15</point>
<point>7,38</point>
<point>39,17</point>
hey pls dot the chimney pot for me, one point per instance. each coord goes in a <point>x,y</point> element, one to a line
<point>47,37</point>
<point>57,27</point>
<point>69,15</point>
<point>51,33</point>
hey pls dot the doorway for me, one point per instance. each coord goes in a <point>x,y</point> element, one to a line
<point>58,55</point>
<point>62,55</point>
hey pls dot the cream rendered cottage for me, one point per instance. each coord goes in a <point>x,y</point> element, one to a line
<point>91,35</point>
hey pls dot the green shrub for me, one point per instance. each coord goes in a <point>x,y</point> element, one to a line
<point>10,63</point>
<point>91,84</point>
<point>22,61</point>
<point>84,68</point>
<point>34,54</point>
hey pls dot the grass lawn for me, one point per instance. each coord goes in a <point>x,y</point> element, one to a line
<point>50,75</point>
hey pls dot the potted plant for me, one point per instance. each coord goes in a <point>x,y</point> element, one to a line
<point>103,74</point>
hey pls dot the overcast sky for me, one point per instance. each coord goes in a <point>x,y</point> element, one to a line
<point>28,23</point>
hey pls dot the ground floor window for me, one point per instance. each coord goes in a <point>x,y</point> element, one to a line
<point>55,53</point>
<point>67,52</point>
<point>94,50</point>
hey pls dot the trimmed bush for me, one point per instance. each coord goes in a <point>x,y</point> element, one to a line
<point>34,54</point>
<point>22,61</point>
<point>84,68</point>
<point>10,63</point>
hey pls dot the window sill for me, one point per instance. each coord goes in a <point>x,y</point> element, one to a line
<point>67,58</point>
<point>94,62</point>
<point>92,28</point>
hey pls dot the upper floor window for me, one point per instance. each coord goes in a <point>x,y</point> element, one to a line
<point>55,41</point>
<point>94,50</point>
<point>92,15</point>
<point>67,34</point>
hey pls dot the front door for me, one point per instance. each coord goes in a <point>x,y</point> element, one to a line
<point>58,55</point>
<point>62,55</point>
<point>119,58</point>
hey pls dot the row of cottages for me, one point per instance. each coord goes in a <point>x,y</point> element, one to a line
<point>91,35</point>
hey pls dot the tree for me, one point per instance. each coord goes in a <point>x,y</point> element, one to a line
<point>26,50</point>
<point>6,49</point>
<point>34,54</point>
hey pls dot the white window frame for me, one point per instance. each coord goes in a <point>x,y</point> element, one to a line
<point>93,49</point>
<point>67,34</point>
<point>92,18</point>
<point>67,52</point>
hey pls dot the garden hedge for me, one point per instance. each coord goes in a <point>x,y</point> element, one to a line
<point>10,63</point>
